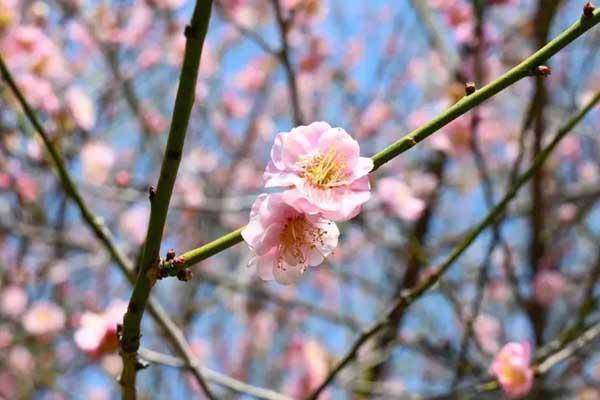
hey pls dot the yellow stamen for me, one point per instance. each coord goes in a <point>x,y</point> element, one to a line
<point>298,234</point>
<point>325,170</point>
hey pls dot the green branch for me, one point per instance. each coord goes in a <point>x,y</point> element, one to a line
<point>97,226</point>
<point>92,220</point>
<point>525,68</point>
<point>130,340</point>
<point>411,296</point>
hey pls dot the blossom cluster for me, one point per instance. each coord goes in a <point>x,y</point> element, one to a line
<point>325,180</point>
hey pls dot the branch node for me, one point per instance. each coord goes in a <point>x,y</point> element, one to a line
<point>154,271</point>
<point>170,255</point>
<point>185,275</point>
<point>541,70</point>
<point>151,193</point>
<point>470,88</point>
<point>588,9</point>
<point>174,155</point>
<point>190,32</point>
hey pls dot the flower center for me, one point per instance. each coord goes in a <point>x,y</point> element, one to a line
<point>324,170</point>
<point>515,376</point>
<point>298,235</point>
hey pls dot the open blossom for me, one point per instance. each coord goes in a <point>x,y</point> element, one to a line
<point>512,368</point>
<point>13,301</point>
<point>399,198</point>
<point>98,159</point>
<point>44,319</point>
<point>97,334</point>
<point>81,108</point>
<point>548,285</point>
<point>286,241</point>
<point>323,169</point>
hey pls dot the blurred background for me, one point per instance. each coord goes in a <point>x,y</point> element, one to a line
<point>102,76</point>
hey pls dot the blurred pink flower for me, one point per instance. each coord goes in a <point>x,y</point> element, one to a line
<point>487,330</point>
<point>98,159</point>
<point>310,358</point>
<point>235,106</point>
<point>167,4</point>
<point>13,301</point>
<point>153,120</point>
<point>548,285</point>
<point>43,319</point>
<point>323,169</point>
<point>570,147</point>
<point>567,212</point>
<point>284,241</point>
<point>97,332</point>
<point>39,92</point>
<point>253,76</point>
<point>81,108</point>
<point>318,51</point>
<point>377,114</point>
<point>27,187</point>
<point>399,198</point>
<point>512,368</point>
<point>28,49</point>
<point>21,360</point>
<point>134,223</point>
<point>8,13</point>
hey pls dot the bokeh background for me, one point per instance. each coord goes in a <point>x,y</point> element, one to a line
<point>102,75</point>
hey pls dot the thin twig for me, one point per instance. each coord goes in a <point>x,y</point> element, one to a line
<point>284,56</point>
<point>195,33</point>
<point>212,376</point>
<point>461,107</point>
<point>409,297</point>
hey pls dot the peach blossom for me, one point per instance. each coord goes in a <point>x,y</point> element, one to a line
<point>97,333</point>
<point>398,197</point>
<point>285,241</point>
<point>13,301</point>
<point>547,286</point>
<point>44,319</point>
<point>81,108</point>
<point>323,170</point>
<point>98,159</point>
<point>512,368</point>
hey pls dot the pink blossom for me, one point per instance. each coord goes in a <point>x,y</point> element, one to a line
<point>548,285</point>
<point>134,223</point>
<point>29,49</point>
<point>8,13</point>
<point>512,368</point>
<point>567,213</point>
<point>81,108</point>
<point>98,159</point>
<point>26,187</point>
<point>398,197</point>
<point>21,360</point>
<point>153,120</point>
<point>285,241</point>
<point>487,330</point>
<point>323,169</point>
<point>167,4</point>
<point>13,301</point>
<point>39,92</point>
<point>253,76</point>
<point>235,106</point>
<point>377,114</point>
<point>44,319</point>
<point>97,333</point>
<point>317,53</point>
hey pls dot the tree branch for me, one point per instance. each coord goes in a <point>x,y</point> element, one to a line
<point>195,33</point>
<point>461,107</point>
<point>410,296</point>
